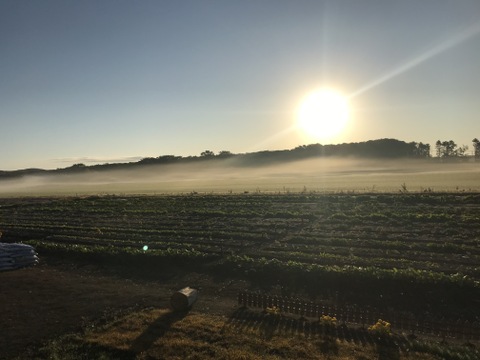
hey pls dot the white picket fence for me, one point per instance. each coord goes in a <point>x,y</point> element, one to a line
<point>427,325</point>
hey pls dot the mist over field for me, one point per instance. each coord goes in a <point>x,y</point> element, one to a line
<point>225,176</point>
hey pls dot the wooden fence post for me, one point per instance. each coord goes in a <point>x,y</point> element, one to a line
<point>249,300</point>
<point>475,331</point>
<point>266,301</point>
<point>281,304</point>
<point>241,298</point>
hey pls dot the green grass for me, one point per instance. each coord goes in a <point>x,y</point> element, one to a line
<point>161,334</point>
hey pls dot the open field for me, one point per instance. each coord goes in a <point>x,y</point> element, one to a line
<point>393,253</point>
<point>435,233</point>
<point>323,175</point>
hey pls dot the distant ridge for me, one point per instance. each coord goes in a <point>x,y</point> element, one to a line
<point>381,148</point>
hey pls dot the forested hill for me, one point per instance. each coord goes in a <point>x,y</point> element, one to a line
<point>382,148</point>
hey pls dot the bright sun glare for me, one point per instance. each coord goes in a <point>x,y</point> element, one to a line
<point>323,114</point>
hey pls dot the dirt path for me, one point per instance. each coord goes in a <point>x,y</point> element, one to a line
<point>52,299</point>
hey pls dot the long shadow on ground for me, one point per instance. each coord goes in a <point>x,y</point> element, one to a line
<point>156,330</point>
<point>268,325</point>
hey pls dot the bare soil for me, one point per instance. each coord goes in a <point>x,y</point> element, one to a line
<point>60,297</point>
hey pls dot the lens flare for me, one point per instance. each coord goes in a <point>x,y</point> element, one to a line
<point>447,44</point>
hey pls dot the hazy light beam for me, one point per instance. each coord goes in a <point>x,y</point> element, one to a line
<point>455,40</point>
<point>272,138</point>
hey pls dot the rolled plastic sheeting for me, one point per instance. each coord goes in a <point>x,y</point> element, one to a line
<point>15,256</point>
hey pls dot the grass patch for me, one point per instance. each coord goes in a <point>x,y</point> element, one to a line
<point>162,334</point>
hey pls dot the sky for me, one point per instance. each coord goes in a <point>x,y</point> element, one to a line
<point>115,81</point>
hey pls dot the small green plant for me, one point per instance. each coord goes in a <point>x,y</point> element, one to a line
<point>381,327</point>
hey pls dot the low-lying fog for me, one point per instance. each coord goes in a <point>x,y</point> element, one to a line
<point>225,176</point>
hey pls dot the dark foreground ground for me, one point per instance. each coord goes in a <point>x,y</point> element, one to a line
<point>60,297</point>
<point>56,298</point>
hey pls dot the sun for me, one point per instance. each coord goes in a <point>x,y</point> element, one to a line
<point>323,114</point>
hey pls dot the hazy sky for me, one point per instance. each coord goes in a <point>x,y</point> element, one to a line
<point>106,81</point>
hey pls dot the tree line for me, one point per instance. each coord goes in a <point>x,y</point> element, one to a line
<point>382,148</point>
<point>449,149</point>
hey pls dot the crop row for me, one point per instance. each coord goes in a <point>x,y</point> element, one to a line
<point>434,232</point>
